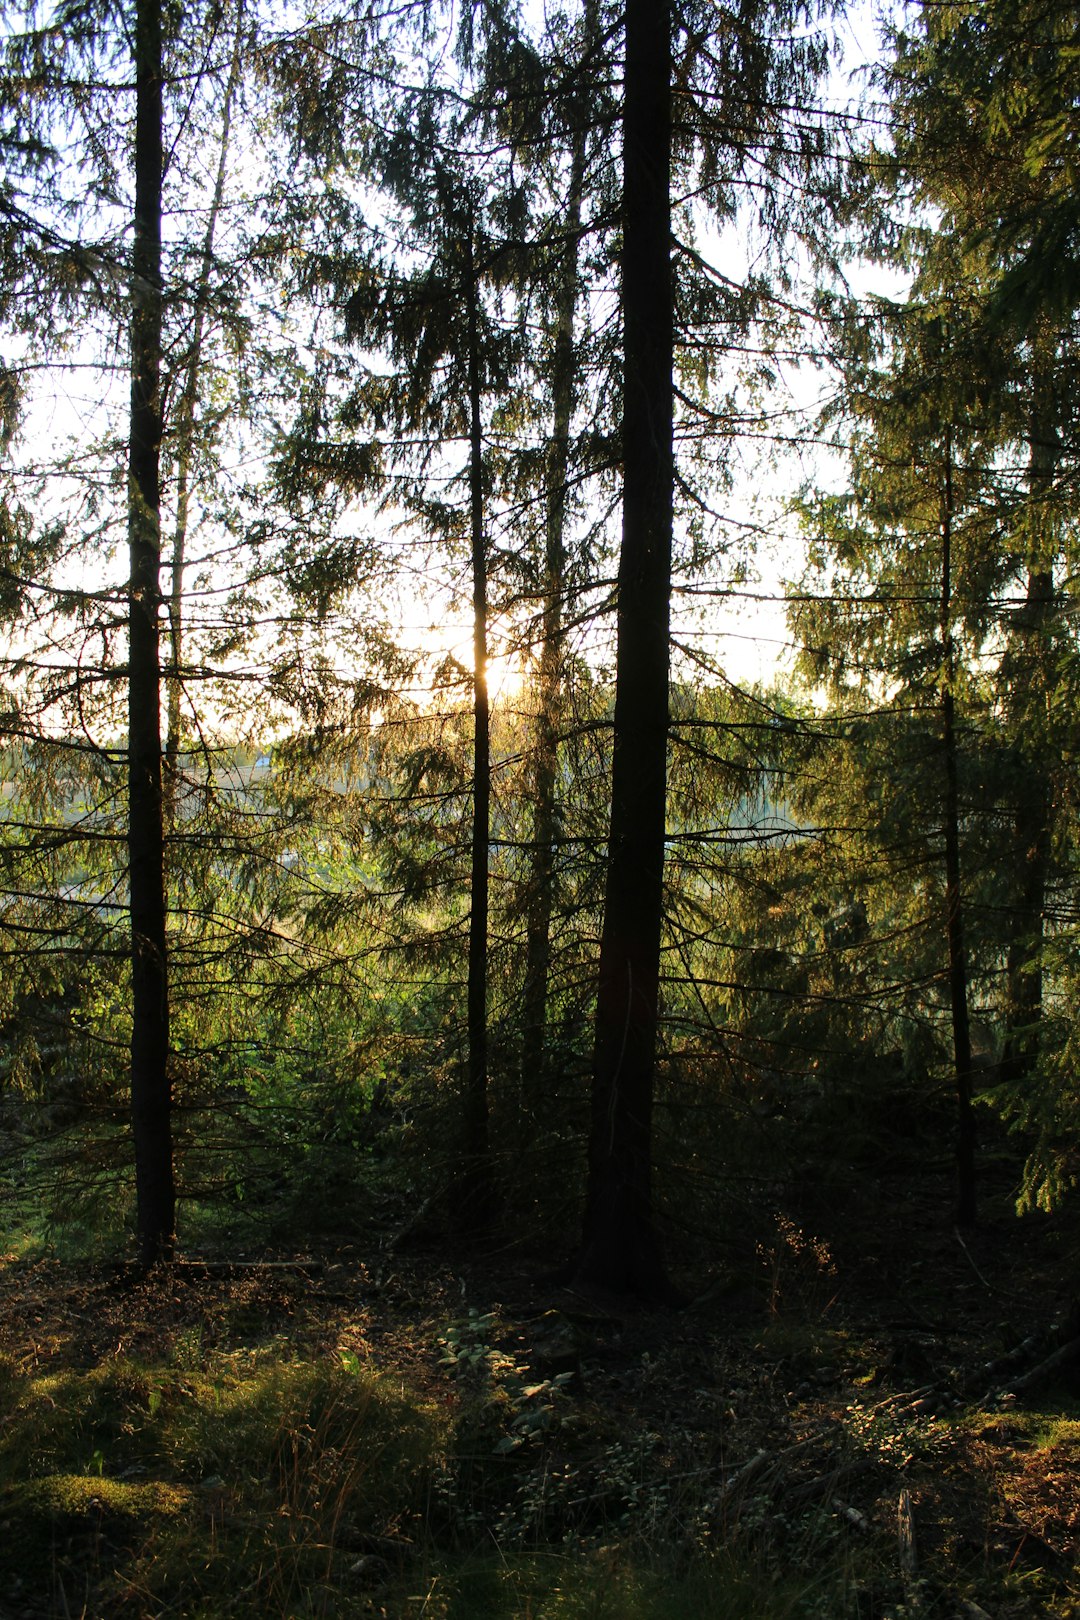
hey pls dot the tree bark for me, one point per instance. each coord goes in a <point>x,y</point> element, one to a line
<point>620,1249</point>
<point>151,1104</point>
<point>954,913</point>
<point>1031,844</point>
<point>478,1184</point>
<point>1029,678</point>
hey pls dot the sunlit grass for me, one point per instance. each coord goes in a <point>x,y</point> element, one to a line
<point>247,1484</point>
<point>1058,1429</point>
<point>256,1482</point>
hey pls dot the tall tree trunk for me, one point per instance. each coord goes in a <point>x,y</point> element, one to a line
<point>954,913</point>
<point>1029,678</point>
<point>1031,845</point>
<point>550,675</point>
<point>478,1198</point>
<point>185,438</point>
<point>151,1104</point>
<point>620,1249</point>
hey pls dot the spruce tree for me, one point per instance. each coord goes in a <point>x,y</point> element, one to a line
<point>971,185</point>
<point>733,95</point>
<point>151,1104</point>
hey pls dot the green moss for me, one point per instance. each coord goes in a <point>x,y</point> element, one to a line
<point>1033,1429</point>
<point>254,1474</point>
<point>77,1497</point>
<point>73,1421</point>
<point>75,1522</point>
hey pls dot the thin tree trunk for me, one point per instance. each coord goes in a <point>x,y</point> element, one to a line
<point>954,913</point>
<point>620,1249</point>
<point>1029,683</point>
<point>477,1151</point>
<point>151,1107</point>
<point>185,439</point>
<point>550,674</point>
<point>1031,842</point>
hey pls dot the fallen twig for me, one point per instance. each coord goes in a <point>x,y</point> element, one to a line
<point>743,1477</point>
<point>768,1465</point>
<point>809,1489</point>
<point>227,1268</point>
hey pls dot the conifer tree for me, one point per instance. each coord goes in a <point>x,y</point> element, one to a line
<point>902,625</point>
<point>975,182</point>
<point>620,1248</point>
<point>98,298</point>
<point>151,1103</point>
<point>452,357</point>
<point>733,91</point>
<point>990,160</point>
<point>183,429</point>
<point>571,126</point>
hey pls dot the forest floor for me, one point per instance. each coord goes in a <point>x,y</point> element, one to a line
<point>861,1422</point>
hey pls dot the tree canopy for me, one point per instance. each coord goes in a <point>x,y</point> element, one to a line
<point>390,403</point>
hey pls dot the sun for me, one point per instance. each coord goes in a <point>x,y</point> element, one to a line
<point>506,677</point>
